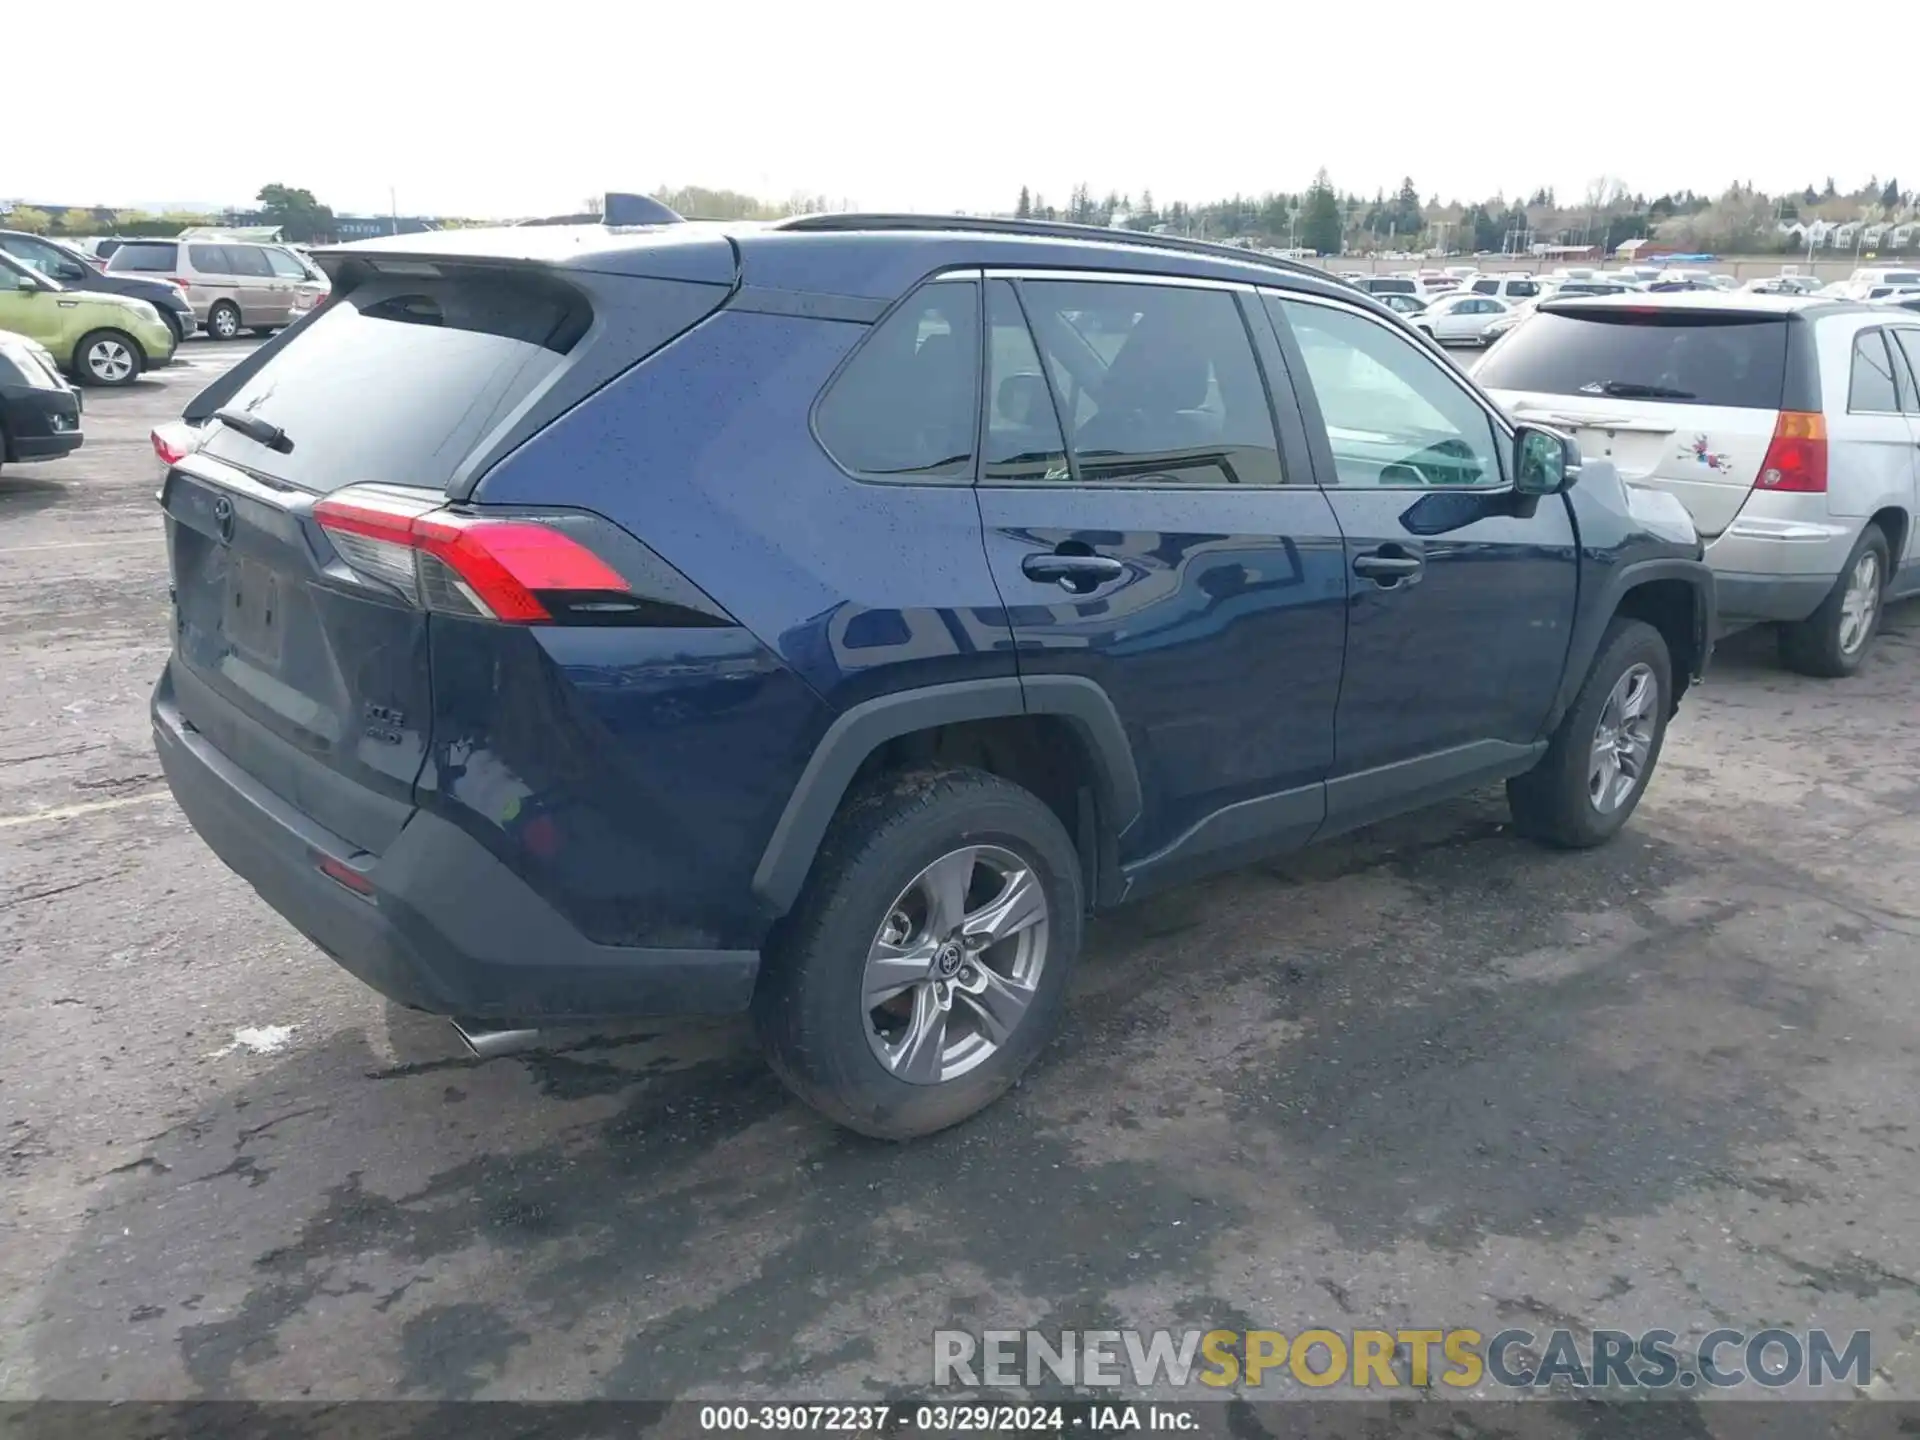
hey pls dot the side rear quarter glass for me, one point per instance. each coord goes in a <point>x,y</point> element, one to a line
<point>1158,383</point>
<point>905,406</point>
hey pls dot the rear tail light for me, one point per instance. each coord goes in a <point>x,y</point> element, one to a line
<point>174,441</point>
<point>513,570</point>
<point>1797,457</point>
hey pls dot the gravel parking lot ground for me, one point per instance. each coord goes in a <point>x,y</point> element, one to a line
<point>1431,1076</point>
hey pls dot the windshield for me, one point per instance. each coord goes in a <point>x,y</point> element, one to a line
<point>1704,359</point>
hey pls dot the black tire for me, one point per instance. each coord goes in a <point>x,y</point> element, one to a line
<point>1812,646</point>
<point>1554,801</point>
<point>808,1007</point>
<point>223,321</point>
<point>91,365</point>
<point>177,326</point>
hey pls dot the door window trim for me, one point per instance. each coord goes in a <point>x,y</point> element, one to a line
<point>1504,430</point>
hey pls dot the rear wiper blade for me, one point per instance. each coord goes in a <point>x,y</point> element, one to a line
<point>254,428</point>
<point>1631,390</point>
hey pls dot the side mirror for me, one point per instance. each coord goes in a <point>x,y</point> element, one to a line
<point>1545,461</point>
<point>67,271</point>
<point>25,282</point>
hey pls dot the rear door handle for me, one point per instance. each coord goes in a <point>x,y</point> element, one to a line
<point>1078,573</point>
<point>1388,566</point>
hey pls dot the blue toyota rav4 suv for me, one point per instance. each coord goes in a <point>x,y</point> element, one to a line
<point>822,618</point>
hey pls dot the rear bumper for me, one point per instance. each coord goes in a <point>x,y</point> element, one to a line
<point>446,927</point>
<point>1777,567</point>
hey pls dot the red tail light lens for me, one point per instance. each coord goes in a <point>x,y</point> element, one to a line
<point>461,564</point>
<point>174,441</point>
<point>1797,458</point>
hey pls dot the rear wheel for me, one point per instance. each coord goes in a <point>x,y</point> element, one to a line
<point>223,320</point>
<point>1602,756</point>
<point>1834,640</point>
<point>108,357</point>
<point>926,963</point>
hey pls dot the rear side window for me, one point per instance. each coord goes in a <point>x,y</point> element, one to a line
<point>1157,384</point>
<point>1023,440</point>
<point>1871,387</point>
<point>1683,356</point>
<point>284,265</point>
<point>1908,343</point>
<point>401,379</point>
<point>905,405</point>
<point>144,255</point>
<point>210,259</point>
<point>248,260</point>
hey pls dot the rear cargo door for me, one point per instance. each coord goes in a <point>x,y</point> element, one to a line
<point>298,671</point>
<point>1683,400</point>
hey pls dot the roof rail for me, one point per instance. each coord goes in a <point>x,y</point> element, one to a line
<point>1049,229</point>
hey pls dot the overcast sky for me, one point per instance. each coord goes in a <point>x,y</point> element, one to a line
<point>496,108</point>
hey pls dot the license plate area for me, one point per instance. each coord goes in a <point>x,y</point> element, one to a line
<point>252,621</point>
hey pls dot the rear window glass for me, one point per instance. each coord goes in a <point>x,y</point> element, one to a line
<point>141,255</point>
<point>400,380</point>
<point>1684,357</point>
<point>1390,287</point>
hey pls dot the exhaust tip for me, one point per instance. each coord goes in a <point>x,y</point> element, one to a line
<point>486,1040</point>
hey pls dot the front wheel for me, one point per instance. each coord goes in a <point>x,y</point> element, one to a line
<point>1834,640</point>
<point>1602,756</point>
<point>107,357</point>
<point>926,963</point>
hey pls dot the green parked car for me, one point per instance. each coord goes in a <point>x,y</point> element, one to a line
<point>98,339</point>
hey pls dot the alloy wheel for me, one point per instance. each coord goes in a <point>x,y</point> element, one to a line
<point>955,965</point>
<point>109,361</point>
<point>1859,602</point>
<point>1623,739</point>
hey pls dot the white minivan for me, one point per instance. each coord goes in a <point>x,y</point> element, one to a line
<point>1789,426</point>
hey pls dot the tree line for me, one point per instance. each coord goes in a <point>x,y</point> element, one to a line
<point>1328,221</point>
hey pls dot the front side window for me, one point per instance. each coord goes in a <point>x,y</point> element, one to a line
<point>1394,416</point>
<point>904,406</point>
<point>1872,388</point>
<point>1523,287</point>
<point>1157,384</point>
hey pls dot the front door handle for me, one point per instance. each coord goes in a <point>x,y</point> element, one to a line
<point>1078,573</point>
<point>1387,566</point>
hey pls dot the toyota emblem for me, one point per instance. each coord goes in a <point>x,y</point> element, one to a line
<point>223,517</point>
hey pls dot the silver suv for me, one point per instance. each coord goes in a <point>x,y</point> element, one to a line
<point>233,285</point>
